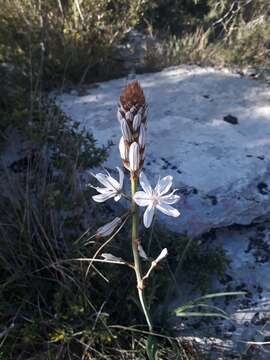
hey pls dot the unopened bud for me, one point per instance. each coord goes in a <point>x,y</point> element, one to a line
<point>161,256</point>
<point>136,121</point>
<point>126,131</point>
<point>142,252</point>
<point>111,258</point>
<point>142,155</point>
<point>142,136</point>
<point>123,149</point>
<point>134,157</point>
<point>126,165</point>
<point>108,229</point>
<point>119,116</point>
<point>129,116</point>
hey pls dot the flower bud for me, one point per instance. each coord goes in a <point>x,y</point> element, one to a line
<point>111,258</point>
<point>142,136</point>
<point>123,149</point>
<point>161,256</point>
<point>142,155</point>
<point>136,121</point>
<point>134,157</point>
<point>129,116</point>
<point>142,252</point>
<point>108,229</point>
<point>126,165</point>
<point>119,116</point>
<point>126,131</point>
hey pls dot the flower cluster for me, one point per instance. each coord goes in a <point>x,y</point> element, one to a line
<point>133,121</point>
<point>132,117</point>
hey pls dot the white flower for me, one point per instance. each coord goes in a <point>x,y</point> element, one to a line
<point>112,187</point>
<point>134,157</point>
<point>156,198</point>
<point>108,229</point>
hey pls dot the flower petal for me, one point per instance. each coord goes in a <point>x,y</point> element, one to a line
<point>145,184</point>
<point>141,198</point>
<point>121,177</point>
<point>102,190</point>
<point>103,179</point>
<point>170,198</point>
<point>164,185</point>
<point>117,197</point>
<point>168,210</point>
<point>103,197</point>
<point>148,215</point>
<point>114,183</point>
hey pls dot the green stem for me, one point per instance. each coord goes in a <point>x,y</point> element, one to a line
<point>136,256</point>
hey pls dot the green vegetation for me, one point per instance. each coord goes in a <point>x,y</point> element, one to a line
<point>52,305</point>
<point>58,42</point>
<point>209,32</point>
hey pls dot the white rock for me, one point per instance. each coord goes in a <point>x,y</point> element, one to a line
<point>222,169</point>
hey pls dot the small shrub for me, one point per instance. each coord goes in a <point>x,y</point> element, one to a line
<point>66,40</point>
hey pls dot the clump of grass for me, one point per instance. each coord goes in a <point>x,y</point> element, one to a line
<point>189,48</point>
<point>250,45</point>
<point>224,34</point>
<point>38,197</point>
<point>64,40</point>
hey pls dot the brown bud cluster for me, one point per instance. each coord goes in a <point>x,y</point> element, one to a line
<point>132,115</point>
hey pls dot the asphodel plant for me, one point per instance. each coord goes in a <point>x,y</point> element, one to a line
<point>132,117</point>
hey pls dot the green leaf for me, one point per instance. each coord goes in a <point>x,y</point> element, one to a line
<point>181,311</point>
<point>186,307</point>
<point>201,314</point>
<point>151,347</point>
<point>215,295</point>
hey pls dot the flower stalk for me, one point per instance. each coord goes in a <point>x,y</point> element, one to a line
<point>136,255</point>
